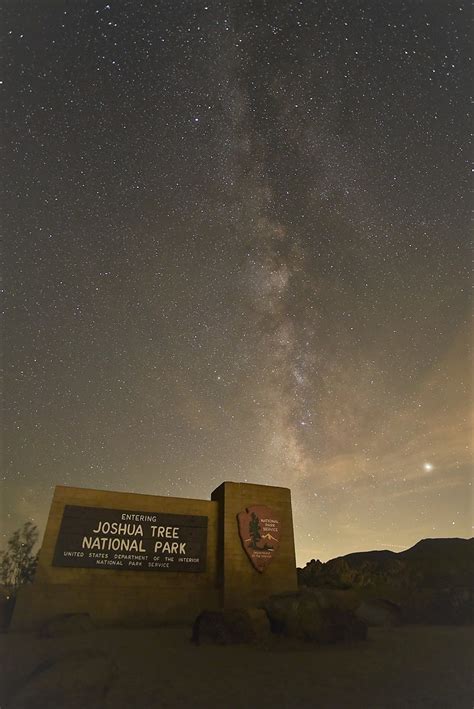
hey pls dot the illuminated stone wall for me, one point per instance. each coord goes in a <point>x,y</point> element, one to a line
<point>239,582</point>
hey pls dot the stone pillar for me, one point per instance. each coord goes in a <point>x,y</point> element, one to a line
<point>240,582</point>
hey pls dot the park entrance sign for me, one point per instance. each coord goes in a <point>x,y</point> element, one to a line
<point>99,548</point>
<point>98,538</point>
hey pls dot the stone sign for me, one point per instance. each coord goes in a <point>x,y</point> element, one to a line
<point>259,530</point>
<point>94,537</point>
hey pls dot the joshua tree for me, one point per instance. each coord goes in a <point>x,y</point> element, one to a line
<point>254,530</point>
<point>18,563</point>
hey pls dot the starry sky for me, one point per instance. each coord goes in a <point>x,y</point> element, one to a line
<point>237,249</point>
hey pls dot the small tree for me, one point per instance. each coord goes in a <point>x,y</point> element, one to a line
<point>18,563</point>
<point>254,530</point>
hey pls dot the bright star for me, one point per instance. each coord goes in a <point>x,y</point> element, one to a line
<point>428,466</point>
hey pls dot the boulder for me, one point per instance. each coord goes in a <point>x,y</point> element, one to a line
<point>345,600</point>
<point>231,626</point>
<point>379,612</point>
<point>311,617</point>
<point>283,609</point>
<point>341,626</point>
<point>78,680</point>
<point>67,624</point>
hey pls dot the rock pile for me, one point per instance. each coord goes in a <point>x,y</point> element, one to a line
<point>314,618</point>
<point>307,616</point>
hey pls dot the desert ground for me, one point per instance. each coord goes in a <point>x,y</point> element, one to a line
<point>403,668</point>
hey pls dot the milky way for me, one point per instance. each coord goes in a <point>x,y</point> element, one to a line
<point>237,248</point>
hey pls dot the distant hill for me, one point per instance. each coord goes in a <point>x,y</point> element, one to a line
<point>435,576</point>
<point>430,562</point>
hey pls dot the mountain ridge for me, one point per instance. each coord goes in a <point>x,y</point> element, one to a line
<point>427,542</point>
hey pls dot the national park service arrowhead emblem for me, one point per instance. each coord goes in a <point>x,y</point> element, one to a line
<point>259,530</point>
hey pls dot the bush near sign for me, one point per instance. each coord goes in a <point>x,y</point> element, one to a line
<point>94,537</point>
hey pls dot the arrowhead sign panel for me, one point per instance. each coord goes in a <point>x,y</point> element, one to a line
<point>259,530</point>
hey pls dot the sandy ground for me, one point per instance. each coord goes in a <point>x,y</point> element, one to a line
<point>136,669</point>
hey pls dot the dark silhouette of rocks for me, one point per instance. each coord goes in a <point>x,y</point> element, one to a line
<point>307,616</point>
<point>432,582</point>
<point>231,627</point>
<point>378,612</point>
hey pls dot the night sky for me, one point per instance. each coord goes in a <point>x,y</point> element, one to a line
<point>237,249</point>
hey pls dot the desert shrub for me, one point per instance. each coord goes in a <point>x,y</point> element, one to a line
<point>18,562</point>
